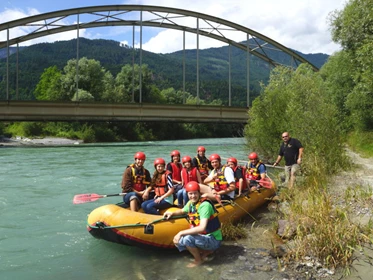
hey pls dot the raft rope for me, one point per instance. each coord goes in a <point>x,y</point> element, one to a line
<point>101,225</point>
<point>236,204</point>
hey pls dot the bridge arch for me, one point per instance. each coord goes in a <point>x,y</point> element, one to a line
<point>206,25</point>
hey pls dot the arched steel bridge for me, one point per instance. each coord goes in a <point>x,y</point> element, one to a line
<point>200,24</point>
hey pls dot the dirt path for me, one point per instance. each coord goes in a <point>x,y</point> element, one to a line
<point>362,210</point>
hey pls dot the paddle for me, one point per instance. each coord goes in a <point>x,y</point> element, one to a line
<point>90,197</point>
<point>265,183</point>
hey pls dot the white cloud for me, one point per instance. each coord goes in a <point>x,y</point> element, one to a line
<point>300,25</point>
<point>14,14</point>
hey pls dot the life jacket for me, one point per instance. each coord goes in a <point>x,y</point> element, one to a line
<point>203,167</point>
<point>176,170</point>
<point>193,218</point>
<point>139,178</point>
<point>241,170</point>
<point>188,176</point>
<point>220,182</point>
<point>161,187</point>
<point>252,173</point>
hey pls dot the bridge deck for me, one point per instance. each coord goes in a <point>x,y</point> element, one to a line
<point>77,111</point>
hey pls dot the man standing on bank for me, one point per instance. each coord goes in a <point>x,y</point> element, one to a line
<point>292,150</point>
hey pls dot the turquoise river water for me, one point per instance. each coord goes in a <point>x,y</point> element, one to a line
<point>43,234</point>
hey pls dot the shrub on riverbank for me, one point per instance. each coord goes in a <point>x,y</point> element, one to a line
<point>298,102</point>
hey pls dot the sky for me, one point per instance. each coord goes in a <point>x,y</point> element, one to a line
<point>302,25</point>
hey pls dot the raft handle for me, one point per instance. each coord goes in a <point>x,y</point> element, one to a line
<point>149,229</point>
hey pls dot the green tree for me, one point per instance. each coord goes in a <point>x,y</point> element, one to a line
<point>339,83</point>
<point>267,119</point>
<point>353,29</point>
<point>297,101</point>
<point>127,82</point>
<point>49,86</point>
<point>91,76</point>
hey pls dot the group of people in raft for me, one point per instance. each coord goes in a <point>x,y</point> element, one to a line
<point>217,181</point>
<point>189,181</point>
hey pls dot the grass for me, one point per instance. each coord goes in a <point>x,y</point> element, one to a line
<point>233,232</point>
<point>325,230</point>
<point>362,142</point>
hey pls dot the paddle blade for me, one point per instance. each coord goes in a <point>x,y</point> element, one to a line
<point>84,198</point>
<point>265,183</point>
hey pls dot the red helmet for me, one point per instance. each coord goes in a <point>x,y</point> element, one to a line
<point>140,155</point>
<point>253,156</point>
<point>192,186</point>
<point>215,157</point>
<point>175,153</point>
<point>232,159</point>
<point>201,149</point>
<point>159,161</point>
<point>186,159</point>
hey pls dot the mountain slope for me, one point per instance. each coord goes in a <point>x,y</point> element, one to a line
<point>167,68</point>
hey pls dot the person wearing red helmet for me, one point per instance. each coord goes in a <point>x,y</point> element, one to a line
<point>135,181</point>
<point>223,179</point>
<point>292,150</point>
<point>175,168</point>
<point>204,235</point>
<point>201,162</point>
<point>188,173</point>
<point>238,177</point>
<point>162,184</point>
<point>255,171</point>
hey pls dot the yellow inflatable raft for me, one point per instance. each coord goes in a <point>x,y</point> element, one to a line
<point>120,225</point>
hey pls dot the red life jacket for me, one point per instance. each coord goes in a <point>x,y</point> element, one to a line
<point>188,176</point>
<point>176,171</point>
<point>242,170</point>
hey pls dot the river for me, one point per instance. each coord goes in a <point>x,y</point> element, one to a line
<point>43,235</point>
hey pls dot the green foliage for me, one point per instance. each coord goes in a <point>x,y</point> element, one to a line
<point>339,83</point>
<point>90,78</point>
<point>353,29</point>
<point>49,86</point>
<point>2,128</point>
<point>25,129</point>
<point>127,85</point>
<point>361,142</point>
<point>267,117</point>
<point>297,102</point>
<point>82,95</point>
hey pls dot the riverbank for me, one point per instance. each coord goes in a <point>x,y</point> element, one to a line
<point>256,254</point>
<point>45,141</point>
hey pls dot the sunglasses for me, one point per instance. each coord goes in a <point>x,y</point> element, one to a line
<point>285,136</point>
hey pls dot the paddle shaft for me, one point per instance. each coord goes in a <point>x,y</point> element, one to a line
<point>116,194</point>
